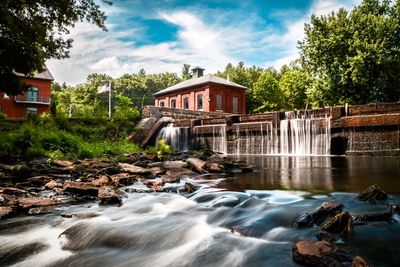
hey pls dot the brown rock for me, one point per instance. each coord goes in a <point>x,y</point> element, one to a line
<point>321,253</point>
<point>156,171</point>
<point>80,188</point>
<point>12,191</point>
<point>328,208</point>
<point>214,167</point>
<point>191,187</point>
<point>133,169</point>
<point>175,164</point>
<point>374,216</point>
<point>21,171</point>
<point>5,211</point>
<point>197,164</point>
<point>124,178</point>
<point>155,184</point>
<point>372,193</point>
<point>178,172</point>
<point>109,195</point>
<point>101,181</point>
<point>62,163</point>
<point>340,224</point>
<point>52,184</point>
<point>27,203</point>
<point>39,180</point>
<point>41,210</point>
<point>359,262</point>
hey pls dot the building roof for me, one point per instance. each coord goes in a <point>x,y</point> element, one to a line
<point>198,81</point>
<point>44,75</point>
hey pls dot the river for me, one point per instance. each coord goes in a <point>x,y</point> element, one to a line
<point>170,229</point>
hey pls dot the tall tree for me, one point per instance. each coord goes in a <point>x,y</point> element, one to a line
<point>294,83</point>
<point>185,74</point>
<point>32,32</point>
<point>355,56</point>
<point>266,95</point>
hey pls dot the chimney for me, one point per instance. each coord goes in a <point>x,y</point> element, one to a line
<point>197,72</point>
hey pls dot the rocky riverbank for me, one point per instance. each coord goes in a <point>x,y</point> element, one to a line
<point>37,187</point>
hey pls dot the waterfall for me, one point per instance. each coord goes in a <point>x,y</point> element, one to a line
<point>255,138</point>
<point>305,136</point>
<point>217,141</point>
<point>177,137</point>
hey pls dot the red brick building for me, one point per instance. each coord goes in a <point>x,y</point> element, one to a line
<point>204,93</point>
<point>36,100</point>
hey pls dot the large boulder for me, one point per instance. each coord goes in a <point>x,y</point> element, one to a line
<point>372,193</point>
<point>27,203</point>
<point>52,184</point>
<point>321,254</point>
<point>130,168</point>
<point>174,164</point>
<point>21,171</point>
<point>328,208</point>
<point>197,164</point>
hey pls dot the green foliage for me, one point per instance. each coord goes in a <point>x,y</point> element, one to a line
<point>354,56</point>
<point>162,149</point>
<point>294,83</point>
<point>45,137</point>
<point>34,31</point>
<point>267,95</point>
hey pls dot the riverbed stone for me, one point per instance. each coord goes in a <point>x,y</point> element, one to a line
<point>27,203</point>
<point>81,188</point>
<point>320,253</point>
<point>41,210</point>
<point>197,164</point>
<point>384,215</point>
<point>52,184</point>
<point>133,169</point>
<point>5,211</point>
<point>174,164</point>
<point>10,190</point>
<point>359,262</point>
<point>326,209</point>
<point>124,178</point>
<point>39,180</point>
<point>191,187</point>
<point>62,163</point>
<point>108,195</point>
<point>340,224</point>
<point>21,171</point>
<point>372,193</point>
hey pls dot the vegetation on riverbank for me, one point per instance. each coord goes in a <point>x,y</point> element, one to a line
<point>62,138</point>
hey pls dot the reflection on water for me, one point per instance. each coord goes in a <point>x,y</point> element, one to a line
<point>347,174</point>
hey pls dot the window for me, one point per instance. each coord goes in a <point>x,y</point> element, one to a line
<point>31,111</point>
<point>161,103</point>
<point>199,102</point>
<point>173,103</point>
<point>33,94</point>
<point>6,96</point>
<point>186,102</point>
<point>235,103</point>
<point>219,102</point>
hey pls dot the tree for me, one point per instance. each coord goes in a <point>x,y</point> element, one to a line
<point>32,32</point>
<point>354,56</point>
<point>266,95</point>
<point>185,75</point>
<point>294,82</point>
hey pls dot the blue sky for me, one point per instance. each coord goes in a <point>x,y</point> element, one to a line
<point>163,35</point>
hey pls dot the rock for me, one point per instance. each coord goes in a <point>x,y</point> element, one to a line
<point>108,195</point>
<point>245,231</point>
<point>374,216</point>
<point>372,193</point>
<point>155,184</point>
<point>170,179</point>
<point>27,203</point>
<point>321,253</point>
<point>66,215</point>
<point>5,212</point>
<point>39,180</point>
<point>133,169</point>
<point>191,188</point>
<point>214,167</point>
<point>154,164</point>
<point>340,224</point>
<point>62,163</point>
<point>359,262</point>
<point>102,180</point>
<point>124,178</point>
<point>21,171</point>
<point>80,188</point>
<point>41,210</point>
<point>52,184</point>
<point>197,164</point>
<point>328,208</point>
<point>247,167</point>
<point>13,191</point>
<point>175,164</point>
<point>38,161</point>
<point>3,175</point>
<point>5,167</point>
<point>2,200</point>
<point>156,171</point>
<point>323,235</point>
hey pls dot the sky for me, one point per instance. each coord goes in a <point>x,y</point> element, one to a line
<point>161,36</point>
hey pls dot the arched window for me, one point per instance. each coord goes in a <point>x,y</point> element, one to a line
<point>173,103</point>
<point>219,103</point>
<point>235,104</point>
<point>200,102</point>
<point>186,102</point>
<point>33,94</point>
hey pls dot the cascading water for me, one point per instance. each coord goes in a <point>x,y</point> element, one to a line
<point>255,138</point>
<point>177,137</point>
<point>305,136</point>
<point>217,141</point>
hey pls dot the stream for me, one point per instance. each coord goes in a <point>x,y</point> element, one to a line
<point>172,229</point>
